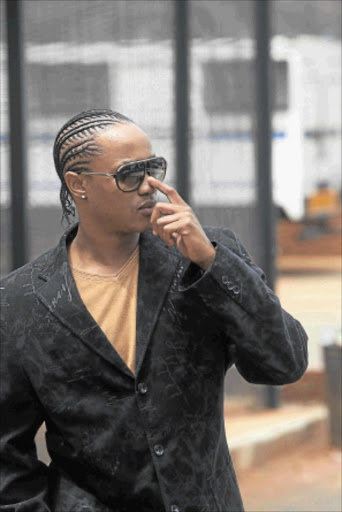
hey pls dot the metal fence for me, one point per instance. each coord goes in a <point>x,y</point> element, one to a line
<point>121,55</point>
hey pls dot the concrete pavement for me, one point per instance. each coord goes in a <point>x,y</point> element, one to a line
<point>307,479</point>
<point>257,436</point>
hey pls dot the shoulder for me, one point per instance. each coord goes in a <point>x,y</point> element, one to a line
<point>15,287</point>
<point>19,304</point>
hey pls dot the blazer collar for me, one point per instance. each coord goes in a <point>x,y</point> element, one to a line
<point>157,265</point>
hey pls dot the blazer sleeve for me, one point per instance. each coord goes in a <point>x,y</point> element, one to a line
<point>23,478</point>
<point>269,345</point>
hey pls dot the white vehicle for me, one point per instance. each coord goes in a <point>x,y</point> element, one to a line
<point>137,80</point>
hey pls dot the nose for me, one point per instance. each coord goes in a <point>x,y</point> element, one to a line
<point>145,187</point>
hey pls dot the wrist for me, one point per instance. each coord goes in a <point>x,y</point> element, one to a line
<point>207,261</point>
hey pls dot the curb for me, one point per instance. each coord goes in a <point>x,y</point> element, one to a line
<point>254,439</point>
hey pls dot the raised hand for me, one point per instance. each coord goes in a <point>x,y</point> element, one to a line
<point>176,223</point>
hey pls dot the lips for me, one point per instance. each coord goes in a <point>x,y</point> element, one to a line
<point>147,205</point>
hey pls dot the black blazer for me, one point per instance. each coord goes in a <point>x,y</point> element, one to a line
<point>154,441</point>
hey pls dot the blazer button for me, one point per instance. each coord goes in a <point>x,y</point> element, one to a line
<point>236,290</point>
<point>159,450</point>
<point>142,388</point>
<point>174,508</point>
<point>224,279</point>
<point>230,285</point>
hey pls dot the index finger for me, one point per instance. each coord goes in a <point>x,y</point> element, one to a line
<point>170,192</point>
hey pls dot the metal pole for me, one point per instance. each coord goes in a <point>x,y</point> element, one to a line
<point>181,20</point>
<point>17,136</point>
<point>264,153</point>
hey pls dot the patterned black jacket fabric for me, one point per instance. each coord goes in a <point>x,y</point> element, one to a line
<point>124,443</point>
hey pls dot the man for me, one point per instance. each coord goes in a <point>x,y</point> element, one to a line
<point>120,338</point>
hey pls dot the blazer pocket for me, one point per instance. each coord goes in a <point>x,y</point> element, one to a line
<point>226,491</point>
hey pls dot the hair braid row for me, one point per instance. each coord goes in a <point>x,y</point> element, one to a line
<point>75,142</point>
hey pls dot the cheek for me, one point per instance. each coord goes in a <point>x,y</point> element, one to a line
<point>106,200</point>
<point>102,196</point>
<point>113,204</point>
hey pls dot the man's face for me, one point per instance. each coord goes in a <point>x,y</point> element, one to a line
<point>112,209</point>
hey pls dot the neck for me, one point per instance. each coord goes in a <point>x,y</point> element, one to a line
<point>96,252</point>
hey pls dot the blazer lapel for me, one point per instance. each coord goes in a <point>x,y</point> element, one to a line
<point>157,265</point>
<point>61,297</point>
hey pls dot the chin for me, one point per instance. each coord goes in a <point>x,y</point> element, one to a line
<point>145,229</point>
<point>144,225</point>
<point>139,227</point>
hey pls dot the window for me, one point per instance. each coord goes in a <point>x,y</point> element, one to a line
<point>61,89</point>
<point>229,86</point>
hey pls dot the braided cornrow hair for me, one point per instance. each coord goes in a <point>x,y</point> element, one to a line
<point>75,143</point>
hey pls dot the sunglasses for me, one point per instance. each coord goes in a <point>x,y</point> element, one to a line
<point>129,176</point>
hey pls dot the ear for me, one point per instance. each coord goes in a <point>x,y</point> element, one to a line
<point>76,184</point>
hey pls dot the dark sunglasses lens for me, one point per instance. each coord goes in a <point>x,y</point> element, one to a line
<point>157,168</point>
<point>131,177</point>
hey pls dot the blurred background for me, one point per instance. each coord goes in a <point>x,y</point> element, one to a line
<point>243,98</point>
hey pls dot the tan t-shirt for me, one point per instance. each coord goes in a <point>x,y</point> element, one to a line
<point>112,302</point>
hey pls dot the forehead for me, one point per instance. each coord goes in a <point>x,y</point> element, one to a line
<point>126,141</point>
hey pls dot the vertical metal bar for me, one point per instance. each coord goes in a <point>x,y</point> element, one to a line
<point>17,133</point>
<point>264,153</point>
<point>181,21</point>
